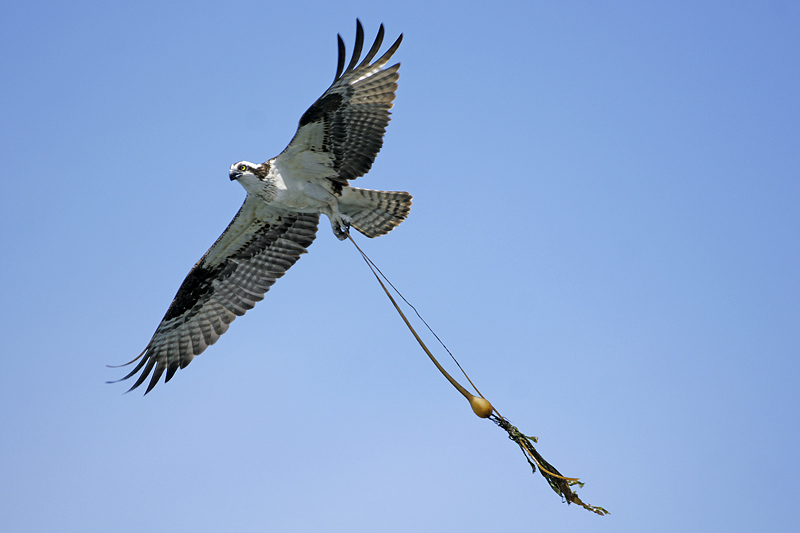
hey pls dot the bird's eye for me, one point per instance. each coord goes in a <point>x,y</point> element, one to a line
<point>242,167</point>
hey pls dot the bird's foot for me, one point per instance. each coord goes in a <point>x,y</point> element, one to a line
<point>342,228</point>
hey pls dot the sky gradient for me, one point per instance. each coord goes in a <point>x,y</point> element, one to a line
<point>604,233</point>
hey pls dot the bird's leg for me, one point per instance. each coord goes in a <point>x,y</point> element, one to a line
<point>339,223</point>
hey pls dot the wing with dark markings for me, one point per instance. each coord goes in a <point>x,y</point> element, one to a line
<point>348,121</point>
<point>256,249</point>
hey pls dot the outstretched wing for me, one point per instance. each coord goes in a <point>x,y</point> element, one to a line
<point>256,249</point>
<point>346,124</point>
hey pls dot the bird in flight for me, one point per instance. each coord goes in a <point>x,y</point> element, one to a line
<point>336,141</point>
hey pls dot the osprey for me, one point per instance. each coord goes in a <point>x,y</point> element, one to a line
<point>336,141</point>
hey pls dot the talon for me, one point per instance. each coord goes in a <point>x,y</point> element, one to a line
<point>340,224</point>
<point>341,232</point>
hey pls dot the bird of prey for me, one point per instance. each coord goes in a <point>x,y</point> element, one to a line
<point>336,141</point>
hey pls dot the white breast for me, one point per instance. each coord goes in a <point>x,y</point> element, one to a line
<point>302,187</point>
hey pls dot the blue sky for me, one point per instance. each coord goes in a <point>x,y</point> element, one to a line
<point>604,232</point>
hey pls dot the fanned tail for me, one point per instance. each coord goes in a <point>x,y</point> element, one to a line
<point>374,213</point>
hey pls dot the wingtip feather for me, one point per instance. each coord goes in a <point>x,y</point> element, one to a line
<point>128,363</point>
<point>374,48</point>
<point>359,44</point>
<point>342,53</point>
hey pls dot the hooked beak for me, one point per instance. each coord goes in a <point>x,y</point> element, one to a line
<point>234,175</point>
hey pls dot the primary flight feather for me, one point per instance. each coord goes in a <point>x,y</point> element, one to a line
<point>336,141</point>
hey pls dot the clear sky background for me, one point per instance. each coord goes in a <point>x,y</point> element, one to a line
<point>604,232</point>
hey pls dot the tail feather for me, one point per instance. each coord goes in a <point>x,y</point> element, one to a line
<point>374,213</point>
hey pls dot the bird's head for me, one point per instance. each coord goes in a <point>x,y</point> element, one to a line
<point>241,169</point>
